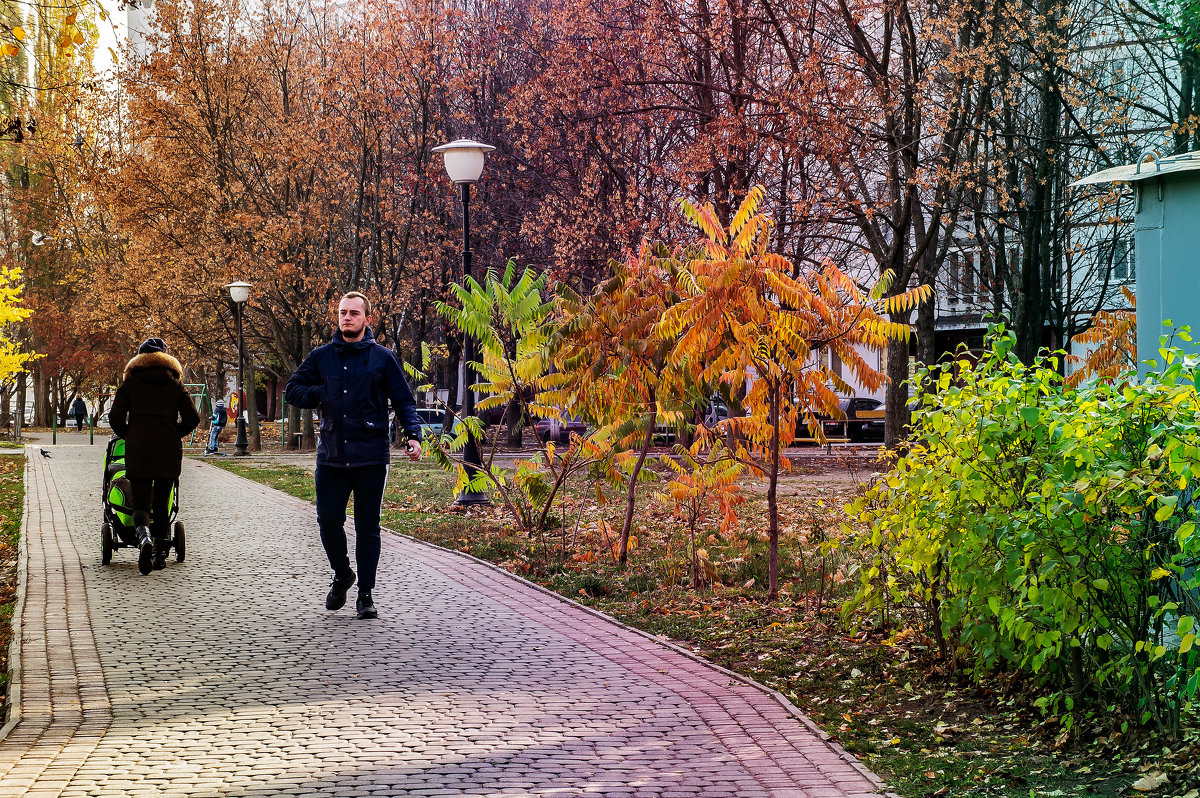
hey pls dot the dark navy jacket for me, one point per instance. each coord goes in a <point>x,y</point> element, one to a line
<point>353,384</point>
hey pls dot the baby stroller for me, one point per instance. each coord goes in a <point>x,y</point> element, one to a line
<point>117,530</point>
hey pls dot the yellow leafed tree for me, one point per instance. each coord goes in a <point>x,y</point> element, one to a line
<point>12,360</point>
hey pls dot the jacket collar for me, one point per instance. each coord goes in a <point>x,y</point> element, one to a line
<point>368,339</point>
<point>149,360</point>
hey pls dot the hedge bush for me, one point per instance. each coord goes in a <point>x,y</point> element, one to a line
<point>1047,531</point>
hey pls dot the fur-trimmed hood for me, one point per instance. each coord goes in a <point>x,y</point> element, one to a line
<point>149,360</point>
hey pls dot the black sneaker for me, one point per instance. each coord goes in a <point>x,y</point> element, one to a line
<point>365,607</point>
<point>145,551</point>
<point>337,592</point>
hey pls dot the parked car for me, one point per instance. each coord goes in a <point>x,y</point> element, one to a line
<point>559,429</point>
<point>863,422</point>
<point>714,413</point>
<point>432,419</point>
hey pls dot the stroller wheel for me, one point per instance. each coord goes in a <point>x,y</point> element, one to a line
<point>179,547</point>
<point>106,544</point>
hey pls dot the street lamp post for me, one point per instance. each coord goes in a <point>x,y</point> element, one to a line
<point>464,164</point>
<point>239,292</point>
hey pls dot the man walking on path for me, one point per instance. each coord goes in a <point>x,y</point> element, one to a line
<point>353,380</point>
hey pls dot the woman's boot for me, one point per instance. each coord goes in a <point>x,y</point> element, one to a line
<point>145,549</point>
<point>162,547</point>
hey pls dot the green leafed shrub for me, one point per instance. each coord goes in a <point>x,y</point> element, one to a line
<point>1047,531</point>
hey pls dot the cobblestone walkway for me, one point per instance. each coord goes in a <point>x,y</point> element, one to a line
<point>225,676</point>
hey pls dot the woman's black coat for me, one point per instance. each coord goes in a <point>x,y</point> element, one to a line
<point>152,411</point>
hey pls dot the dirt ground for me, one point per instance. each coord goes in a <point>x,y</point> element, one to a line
<point>840,466</point>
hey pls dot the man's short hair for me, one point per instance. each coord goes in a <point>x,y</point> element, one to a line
<point>358,295</point>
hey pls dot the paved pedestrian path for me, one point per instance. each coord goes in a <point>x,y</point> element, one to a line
<point>225,676</point>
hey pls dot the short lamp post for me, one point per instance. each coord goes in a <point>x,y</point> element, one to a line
<point>464,164</point>
<point>239,292</point>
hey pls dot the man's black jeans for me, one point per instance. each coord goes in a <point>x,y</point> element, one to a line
<point>334,486</point>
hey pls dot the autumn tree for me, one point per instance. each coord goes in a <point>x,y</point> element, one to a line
<point>1063,88</point>
<point>211,176</point>
<point>704,479</point>
<point>616,368</point>
<point>46,85</point>
<point>636,103</point>
<point>12,359</point>
<point>747,321</point>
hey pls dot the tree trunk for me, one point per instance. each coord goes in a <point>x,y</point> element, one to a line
<point>101,401</point>
<point>22,387</point>
<point>895,402</point>
<point>41,398</point>
<point>1187,90</point>
<point>927,353</point>
<point>6,396</point>
<point>631,496</point>
<point>272,397</point>
<point>252,408</point>
<point>62,400</point>
<point>308,436</point>
<point>773,502</point>
<point>293,426</point>
<point>512,420</point>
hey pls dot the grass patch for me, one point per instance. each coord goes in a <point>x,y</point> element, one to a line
<point>290,479</point>
<point>12,503</point>
<point>887,700</point>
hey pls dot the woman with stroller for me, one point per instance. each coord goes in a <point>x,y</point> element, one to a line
<point>152,411</point>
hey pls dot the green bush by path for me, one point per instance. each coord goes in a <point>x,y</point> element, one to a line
<point>1048,532</point>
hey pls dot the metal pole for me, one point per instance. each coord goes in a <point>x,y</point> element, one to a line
<point>471,457</point>
<point>54,425</point>
<point>91,429</point>
<point>241,445</point>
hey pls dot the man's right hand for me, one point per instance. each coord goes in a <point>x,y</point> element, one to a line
<point>414,450</point>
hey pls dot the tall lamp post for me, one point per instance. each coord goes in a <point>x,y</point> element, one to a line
<point>464,164</point>
<point>239,292</point>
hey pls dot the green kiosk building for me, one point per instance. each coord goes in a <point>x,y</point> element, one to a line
<point>1166,242</point>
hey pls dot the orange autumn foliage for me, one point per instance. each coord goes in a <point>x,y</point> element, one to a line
<point>1114,336</point>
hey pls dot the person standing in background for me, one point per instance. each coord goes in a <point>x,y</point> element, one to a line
<point>79,411</point>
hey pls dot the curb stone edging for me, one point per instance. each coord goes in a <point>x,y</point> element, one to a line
<point>12,703</point>
<point>779,697</point>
